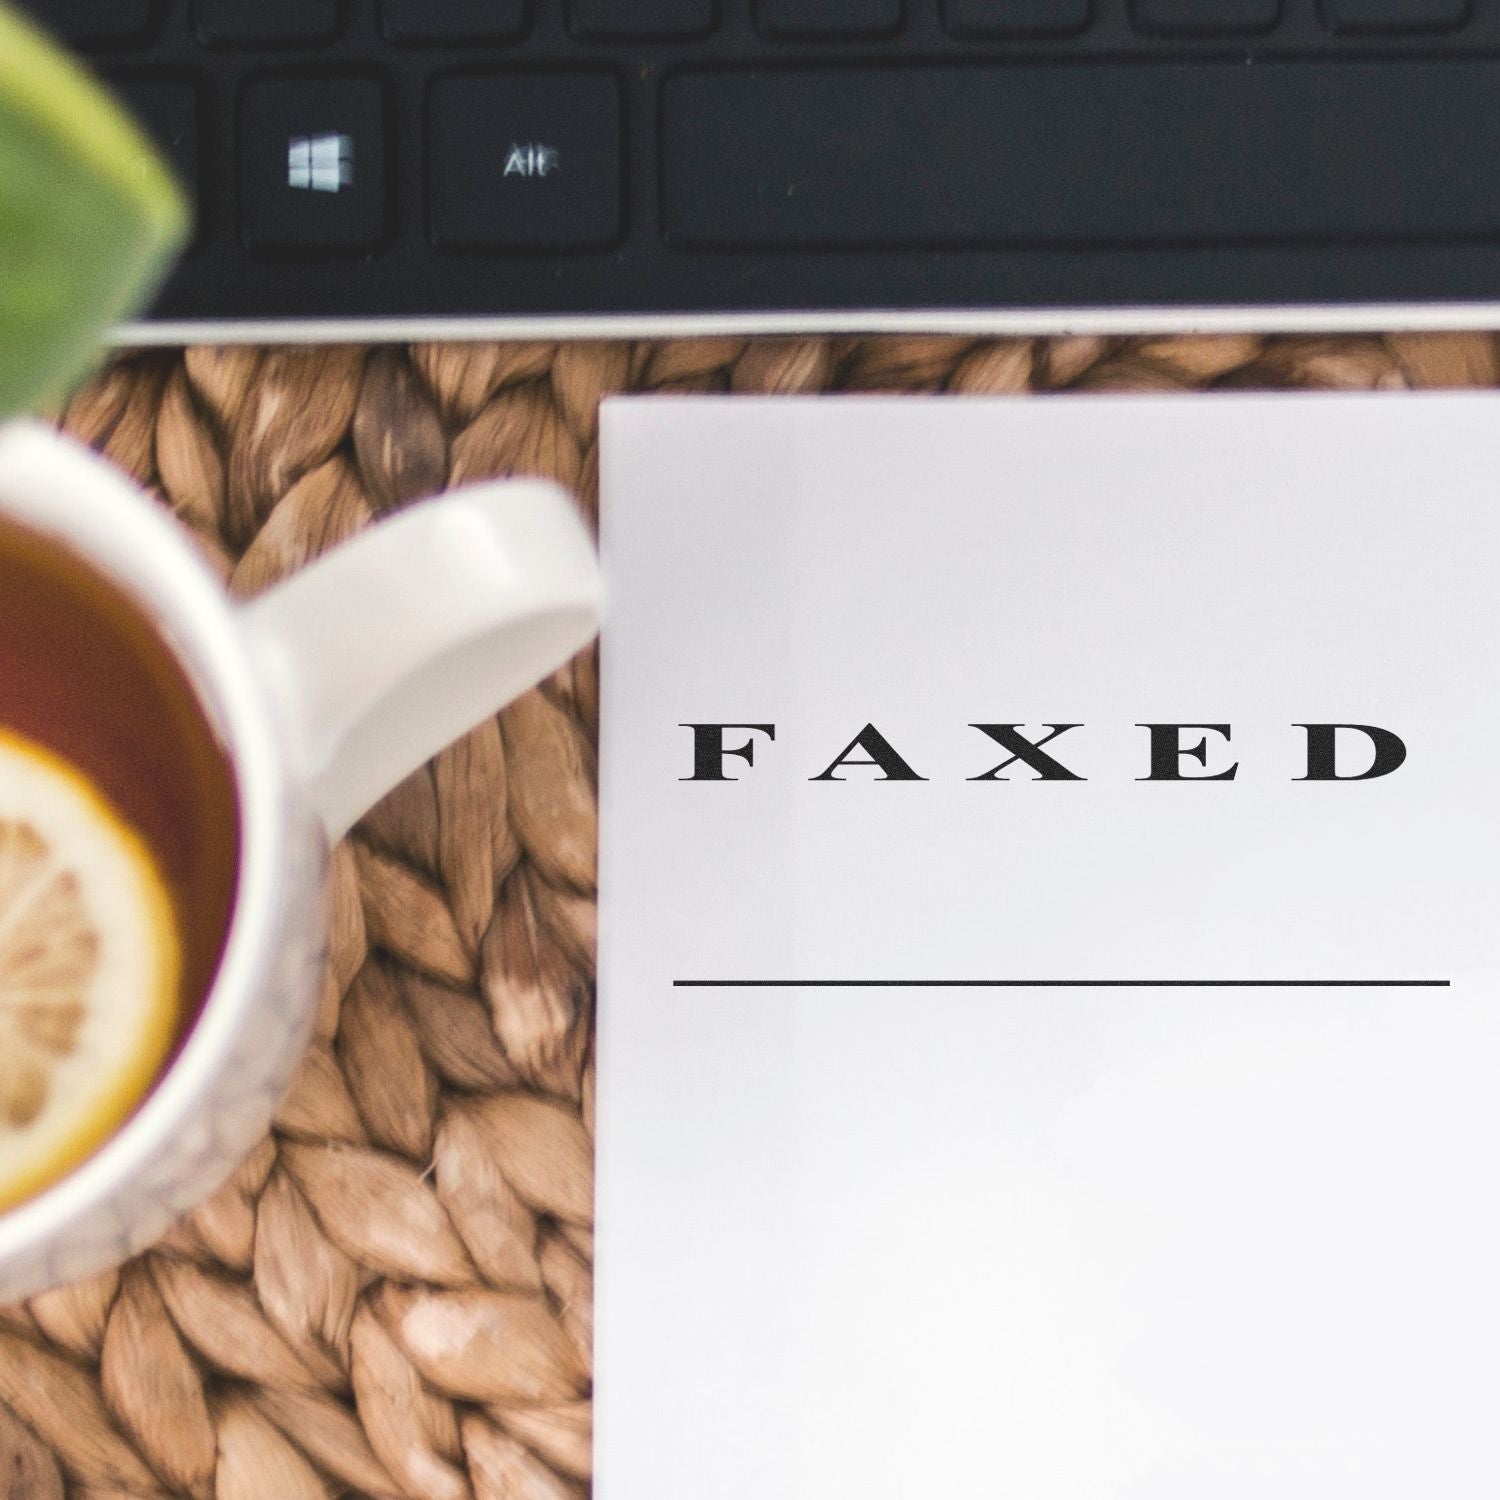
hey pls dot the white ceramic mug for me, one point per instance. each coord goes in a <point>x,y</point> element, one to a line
<point>327,691</point>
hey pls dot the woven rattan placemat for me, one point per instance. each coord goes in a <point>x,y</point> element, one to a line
<point>393,1295</point>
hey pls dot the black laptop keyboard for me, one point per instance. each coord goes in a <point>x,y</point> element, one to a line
<point>428,159</point>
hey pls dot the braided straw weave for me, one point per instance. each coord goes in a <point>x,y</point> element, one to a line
<point>392,1297</point>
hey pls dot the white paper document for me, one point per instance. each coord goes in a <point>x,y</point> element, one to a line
<point>1050,951</point>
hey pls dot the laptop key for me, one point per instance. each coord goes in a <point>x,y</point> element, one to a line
<point>1395,15</point>
<point>642,20</point>
<point>1204,17</point>
<point>312,164</point>
<point>833,19</point>
<point>418,21</point>
<point>1200,153</point>
<point>524,161</point>
<point>1002,18</point>
<point>168,109</point>
<point>266,23</point>
<point>94,23</point>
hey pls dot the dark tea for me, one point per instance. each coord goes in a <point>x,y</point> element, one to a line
<point>111,775</point>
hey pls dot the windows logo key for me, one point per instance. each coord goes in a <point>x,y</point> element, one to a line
<point>320,163</point>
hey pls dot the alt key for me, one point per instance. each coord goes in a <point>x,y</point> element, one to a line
<point>524,161</point>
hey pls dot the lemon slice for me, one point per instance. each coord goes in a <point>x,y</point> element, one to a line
<point>89,969</point>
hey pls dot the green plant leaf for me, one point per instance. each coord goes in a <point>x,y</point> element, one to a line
<point>89,216</point>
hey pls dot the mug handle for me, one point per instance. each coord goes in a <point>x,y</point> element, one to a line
<point>395,643</point>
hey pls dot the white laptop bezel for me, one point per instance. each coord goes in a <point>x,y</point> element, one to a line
<point>1300,318</point>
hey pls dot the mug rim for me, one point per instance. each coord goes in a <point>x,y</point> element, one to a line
<point>53,485</point>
